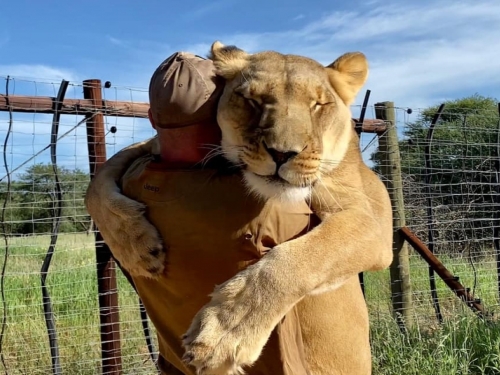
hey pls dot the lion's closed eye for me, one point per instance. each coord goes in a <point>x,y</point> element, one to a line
<point>254,103</point>
<point>317,105</point>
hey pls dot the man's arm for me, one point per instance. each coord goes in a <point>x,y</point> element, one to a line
<point>132,239</point>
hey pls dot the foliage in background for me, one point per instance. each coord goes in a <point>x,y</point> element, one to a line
<point>32,202</point>
<point>464,152</point>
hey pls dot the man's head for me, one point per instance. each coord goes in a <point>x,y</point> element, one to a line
<point>183,91</point>
<point>183,96</point>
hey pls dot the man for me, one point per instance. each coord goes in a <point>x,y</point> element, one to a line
<point>211,226</point>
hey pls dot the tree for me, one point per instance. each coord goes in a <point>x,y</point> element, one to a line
<point>33,200</point>
<point>463,155</point>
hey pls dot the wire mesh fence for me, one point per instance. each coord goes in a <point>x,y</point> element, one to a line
<point>29,199</point>
<point>450,185</point>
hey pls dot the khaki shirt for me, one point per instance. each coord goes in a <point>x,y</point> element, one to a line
<point>212,228</point>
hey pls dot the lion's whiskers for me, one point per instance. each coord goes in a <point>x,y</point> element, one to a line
<point>309,203</point>
<point>211,155</point>
<point>336,162</point>
<point>349,190</point>
<point>334,199</point>
<point>217,150</point>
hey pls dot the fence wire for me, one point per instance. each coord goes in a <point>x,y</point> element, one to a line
<point>463,182</point>
<point>30,205</point>
<point>461,189</point>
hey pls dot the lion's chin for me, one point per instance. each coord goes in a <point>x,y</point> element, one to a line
<point>270,188</point>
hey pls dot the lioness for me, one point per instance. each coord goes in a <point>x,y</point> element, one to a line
<point>286,121</point>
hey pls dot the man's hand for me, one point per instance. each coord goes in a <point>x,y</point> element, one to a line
<point>133,240</point>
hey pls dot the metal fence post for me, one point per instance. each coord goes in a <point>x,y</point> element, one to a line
<point>106,274</point>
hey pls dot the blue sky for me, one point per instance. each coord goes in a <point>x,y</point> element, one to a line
<point>420,52</point>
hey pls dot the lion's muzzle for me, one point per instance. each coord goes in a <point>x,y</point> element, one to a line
<point>280,157</point>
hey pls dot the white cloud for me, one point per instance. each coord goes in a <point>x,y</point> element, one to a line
<point>30,135</point>
<point>116,41</point>
<point>38,72</point>
<point>205,10</point>
<point>417,52</point>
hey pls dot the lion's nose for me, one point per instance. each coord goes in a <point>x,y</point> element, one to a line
<point>280,157</point>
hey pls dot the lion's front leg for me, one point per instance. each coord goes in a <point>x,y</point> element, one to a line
<point>231,330</point>
<point>134,242</point>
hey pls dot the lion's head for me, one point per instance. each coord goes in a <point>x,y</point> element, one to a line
<point>285,119</point>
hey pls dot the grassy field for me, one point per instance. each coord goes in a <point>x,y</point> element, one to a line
<point>463,345</point>
<point>73,288</point>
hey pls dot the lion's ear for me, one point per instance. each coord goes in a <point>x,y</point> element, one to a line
<point>228,60</point>
<point>348,74</point>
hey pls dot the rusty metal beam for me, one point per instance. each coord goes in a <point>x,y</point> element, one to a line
<point>372,126</point>
<point>47,104</point>
<point>450,280</point>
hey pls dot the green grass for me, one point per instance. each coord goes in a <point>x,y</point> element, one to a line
<point>463,345</point>
<point>72,284</point>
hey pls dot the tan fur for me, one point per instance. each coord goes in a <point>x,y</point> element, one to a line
<point>297,109</point>
<point>133,240</point>
<point>230,59</point>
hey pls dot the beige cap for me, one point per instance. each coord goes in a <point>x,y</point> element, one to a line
<point>184,91</point>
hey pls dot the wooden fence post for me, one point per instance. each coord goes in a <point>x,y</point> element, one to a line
<point>391,169</point>
<point>106,274</point>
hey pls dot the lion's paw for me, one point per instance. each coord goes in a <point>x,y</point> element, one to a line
<point>148,257</point>
<point>134,242</point>
<point>230,332</point>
